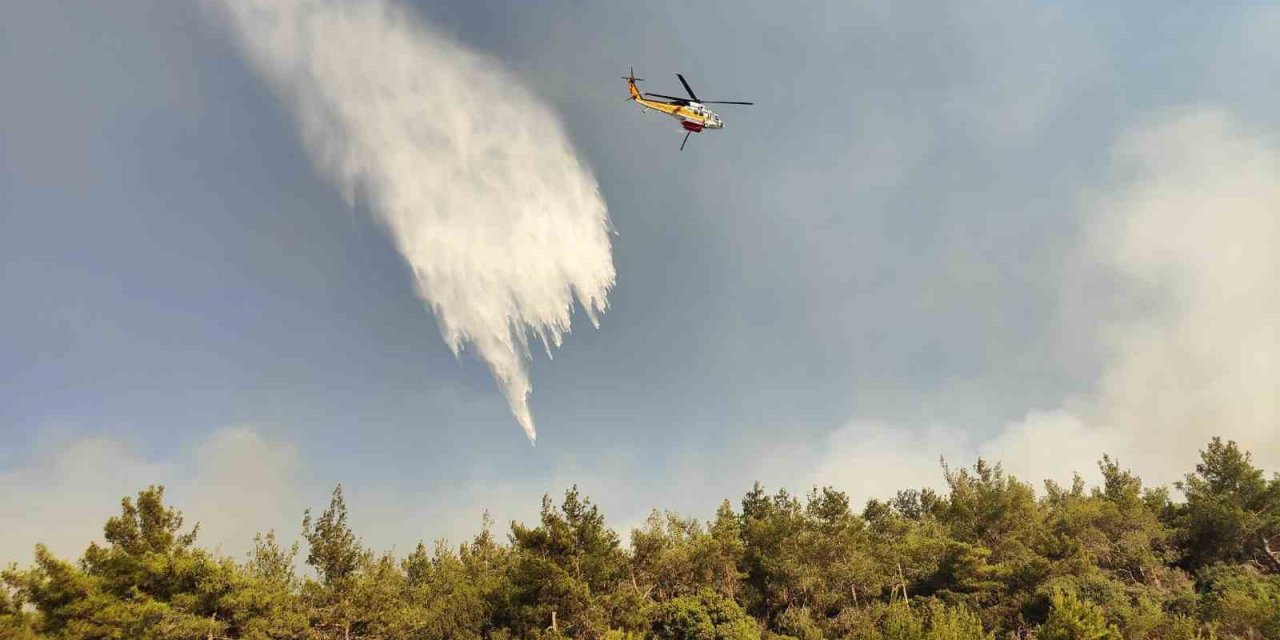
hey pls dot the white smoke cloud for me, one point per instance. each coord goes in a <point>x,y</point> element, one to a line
<point>238,482</point>
<point>1193,225</point>
<point>1200,224</point>
<point>235,483</point>
<point>875,460</point>
<point>242,483</point>
<point>501,223</point>
<point>64,495</point>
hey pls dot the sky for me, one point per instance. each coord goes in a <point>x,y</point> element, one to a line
<point>237,263</point>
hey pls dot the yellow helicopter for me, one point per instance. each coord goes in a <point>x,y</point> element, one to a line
<point>692,113</point>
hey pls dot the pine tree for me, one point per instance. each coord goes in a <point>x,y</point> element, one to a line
<point>567,571</point>
<point>337,556</point>
<point>1232,513</point>
<point>1074,619</point>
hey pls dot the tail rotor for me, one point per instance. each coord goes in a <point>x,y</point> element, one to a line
<point>631,84</point>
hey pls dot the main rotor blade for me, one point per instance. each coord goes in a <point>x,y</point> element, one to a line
<point>686,139</point>
<point>659,95</point>
<point>687,88</point>
<point>724,102</point>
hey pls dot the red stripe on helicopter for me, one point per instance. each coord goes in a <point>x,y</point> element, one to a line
<point>691,126</point>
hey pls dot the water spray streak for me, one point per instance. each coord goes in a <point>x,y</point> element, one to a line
<point>501,223</point>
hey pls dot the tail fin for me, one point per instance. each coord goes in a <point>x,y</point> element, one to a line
<point>631,84</point>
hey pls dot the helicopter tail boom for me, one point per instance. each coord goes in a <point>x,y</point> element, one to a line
<point>631,84</point>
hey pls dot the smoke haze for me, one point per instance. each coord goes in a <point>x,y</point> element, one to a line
<point>503,226</point>
<point>1197,227</point>
<point>1189,229</point>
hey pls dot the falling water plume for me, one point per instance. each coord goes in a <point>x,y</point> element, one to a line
<point>501,223</point>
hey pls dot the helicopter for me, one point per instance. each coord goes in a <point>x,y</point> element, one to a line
<point>692,113</point>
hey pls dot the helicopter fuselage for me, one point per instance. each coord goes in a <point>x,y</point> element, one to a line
<point>692,113</point>
<point>692,116</point>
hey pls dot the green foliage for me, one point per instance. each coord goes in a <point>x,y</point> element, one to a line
<point>15,623</point>
<point>334,551</point>
<point>1074,619</point>
<point>147,582</point>
<point>927,620</point>
<point>704,616</point>
<point>987,558</point>
<point>263,605</point>
<point>338,603</point>
<point>457,593</point>
<point>900,622</point>
<point>955,623</point>
<point>798,623</point>
<point>1245,602</point>
<point>567,572</point>
<point>1232,513</point>
<point>672,556</point>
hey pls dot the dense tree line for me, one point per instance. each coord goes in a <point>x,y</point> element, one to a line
<point>986,559</point>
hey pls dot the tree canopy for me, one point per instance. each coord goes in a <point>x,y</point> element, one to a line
<point>988,558</point>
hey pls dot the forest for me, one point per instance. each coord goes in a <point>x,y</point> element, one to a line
<point>991,557</point>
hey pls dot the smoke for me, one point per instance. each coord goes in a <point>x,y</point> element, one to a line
<point>64,494</point>
<point>1197,228</point>
<point>502,224</point>
<point>1189,231</point>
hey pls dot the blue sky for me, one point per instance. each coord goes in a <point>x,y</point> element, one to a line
<point>900,236</point>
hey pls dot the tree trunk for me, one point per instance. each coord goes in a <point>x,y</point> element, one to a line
<point>1272,554</point>
<point>903,579</point>
<point>636,585</point>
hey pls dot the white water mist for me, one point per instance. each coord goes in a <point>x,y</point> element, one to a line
<point>501,223</point>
